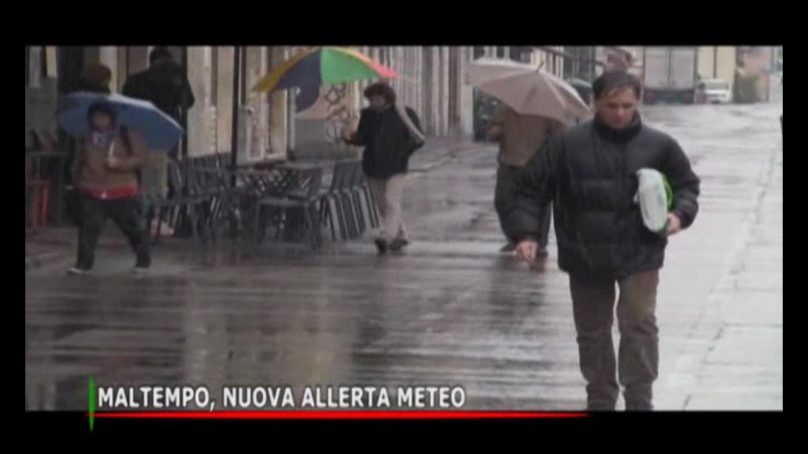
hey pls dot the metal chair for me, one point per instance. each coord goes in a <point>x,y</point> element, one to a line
<point>347,200</point>
<point>356,203</point>
<point>339,177</point>
<point>279,206</point>
<point>174,204</point>
<point>361,190</point>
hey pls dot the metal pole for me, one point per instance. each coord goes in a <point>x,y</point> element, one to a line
<point>715,62</point>
<point>234,125</point>
<point>772,72</point>
<point>243,74</point>
<point>234,122</point>
<point>184,123</point>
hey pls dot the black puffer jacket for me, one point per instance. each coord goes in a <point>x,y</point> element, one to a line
<point>589,172</point>
<point>387,141</point>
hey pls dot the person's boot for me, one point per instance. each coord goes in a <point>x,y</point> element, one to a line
<point>601,403</point>
<point>638,398</point>
<point>602,397</point>
<point>599,407</point>
<point>398,244</point>
<point>639,406</point>
<point>381,245</point>
<point>143,262</point>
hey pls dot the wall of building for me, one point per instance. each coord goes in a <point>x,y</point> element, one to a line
<point>40,91</point>
<point>551,62</point>
<point>717,62</point>
<point>759,61</point>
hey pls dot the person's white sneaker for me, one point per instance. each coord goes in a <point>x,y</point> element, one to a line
<point>140,271</point>
<point>76,271</point>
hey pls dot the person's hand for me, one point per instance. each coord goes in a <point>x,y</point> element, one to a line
<point>114,162</point>
<point>674,225</point>
<point>526,250</point>
<point>348,135</point>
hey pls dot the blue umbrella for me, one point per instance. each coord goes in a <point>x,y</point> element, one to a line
<point>158,129</point>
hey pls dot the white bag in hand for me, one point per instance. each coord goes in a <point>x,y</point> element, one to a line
<point>655,198</point>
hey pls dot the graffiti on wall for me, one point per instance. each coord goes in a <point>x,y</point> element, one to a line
<point>339,113</point>
<point>332,105</point>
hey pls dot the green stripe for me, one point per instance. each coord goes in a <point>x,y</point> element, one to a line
<point>668,192</point>
<point>91,403</point>
<point>337,67</point>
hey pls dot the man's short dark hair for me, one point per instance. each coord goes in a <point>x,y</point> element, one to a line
<point>160,53</point>
<point>381,89</point>
<point>610,81</point>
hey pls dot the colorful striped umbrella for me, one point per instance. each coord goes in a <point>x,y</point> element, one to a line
<point>323,66</point>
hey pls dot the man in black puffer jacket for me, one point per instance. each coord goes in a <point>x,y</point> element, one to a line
<point>589,173</point>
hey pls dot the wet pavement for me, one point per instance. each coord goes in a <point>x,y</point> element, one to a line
<point>451,310</point>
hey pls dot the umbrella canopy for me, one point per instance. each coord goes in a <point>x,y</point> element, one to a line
<point>323,66</point>
<point>529,90</point>
<point>160,131</point>
<point>486,69</point>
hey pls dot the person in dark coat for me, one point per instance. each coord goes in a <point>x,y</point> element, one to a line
<point>519,136</point>
<point>389,139</point>
<point>164,84</point>
<point>588,171</point>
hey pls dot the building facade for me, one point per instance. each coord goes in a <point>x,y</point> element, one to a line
<point>432,81</point>
<point>718,62</point>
